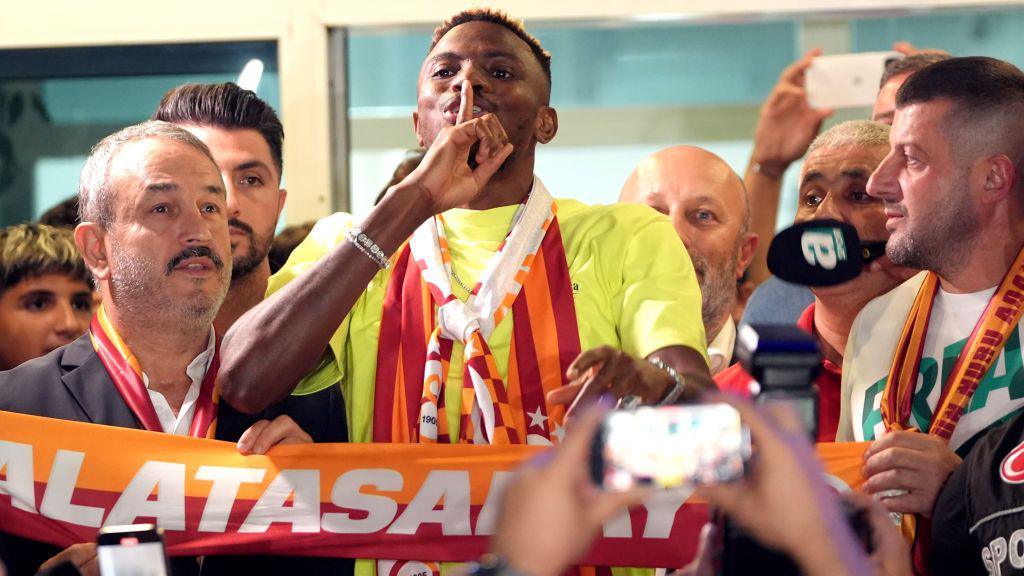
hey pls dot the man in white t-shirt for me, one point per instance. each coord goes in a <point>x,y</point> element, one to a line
<point>955,206</point>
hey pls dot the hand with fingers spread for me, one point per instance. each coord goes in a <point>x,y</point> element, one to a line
<point>608,370</point>
<point>784,502</point>
<point>787,123</point>
<point>445,176</point>
<point>82,556</point>
<point>907,469</point>
<point>266,434</point>
<point>555,491</point>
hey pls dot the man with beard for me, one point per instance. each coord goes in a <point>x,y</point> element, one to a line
<point>708,207</point>
<point>154,235</point>
<point>941,353</point>
<point>832,186</point>
<point>785,129</point>
<point>245,137</point>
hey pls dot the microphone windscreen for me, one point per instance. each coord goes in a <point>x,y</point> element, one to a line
<point>816,253</point>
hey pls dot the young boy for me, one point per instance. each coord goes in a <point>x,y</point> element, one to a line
<point>46,300</point>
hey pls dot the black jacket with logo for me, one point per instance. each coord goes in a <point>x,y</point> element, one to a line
<point>978,521</point>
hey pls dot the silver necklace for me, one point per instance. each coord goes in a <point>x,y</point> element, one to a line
<point>460,282</point>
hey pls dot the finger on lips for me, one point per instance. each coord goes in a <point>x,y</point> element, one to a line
<point>465,103</point>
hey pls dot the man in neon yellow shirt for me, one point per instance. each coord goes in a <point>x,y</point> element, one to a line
<point>484,89</point>
<point>458,309</point>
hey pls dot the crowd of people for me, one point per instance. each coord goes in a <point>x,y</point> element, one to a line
<point>472,306</point>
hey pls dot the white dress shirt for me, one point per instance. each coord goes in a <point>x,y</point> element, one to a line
<point>180,423</point>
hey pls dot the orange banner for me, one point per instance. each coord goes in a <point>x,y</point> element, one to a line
<point>61,481</point>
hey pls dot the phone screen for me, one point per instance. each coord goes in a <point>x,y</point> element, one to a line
<point>670,447</point>
<point>130,555</point>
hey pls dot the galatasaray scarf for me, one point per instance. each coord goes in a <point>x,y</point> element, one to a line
<point>982,348</point>
<point>125,371</point>
<point>422,319</point>
<point>984,345</point>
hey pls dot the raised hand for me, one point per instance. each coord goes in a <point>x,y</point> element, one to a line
<point>787,123</point>
<point>444,176</point>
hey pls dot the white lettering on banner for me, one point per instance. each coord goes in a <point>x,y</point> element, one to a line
<point>661,512</point>
<point>618,526</point>
<point>488,518</point>
<point>303,514</point>
<point>59,488</point>
<point>380,510</point>
<point>226,482</point>
<point>157,490</point>
<point>451,486</point>
<point>167,479</point>
<point>19,484</point>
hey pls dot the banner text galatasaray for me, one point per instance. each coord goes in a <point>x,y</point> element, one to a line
<point>60,481</point>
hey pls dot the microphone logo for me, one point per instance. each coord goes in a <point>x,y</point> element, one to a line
<point>823,247</point>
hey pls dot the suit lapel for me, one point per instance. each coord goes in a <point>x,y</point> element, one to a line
<point>87,380</point>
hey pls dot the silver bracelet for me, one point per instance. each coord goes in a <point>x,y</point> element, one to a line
<point>677,390</point>
<point>369,247</point>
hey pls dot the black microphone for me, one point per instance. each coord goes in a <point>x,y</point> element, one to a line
<point>820,253</point>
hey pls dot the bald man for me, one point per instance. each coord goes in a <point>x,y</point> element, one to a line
<point>708,206</point>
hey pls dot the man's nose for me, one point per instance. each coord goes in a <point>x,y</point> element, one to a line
<point>883,182</point>
<point>69,323</point>
<point>195,227</point>
<point>477,79</point>
<point>828,209</point>
<point>232,202</point>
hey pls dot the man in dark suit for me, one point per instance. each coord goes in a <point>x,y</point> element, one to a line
<point>154,235</point>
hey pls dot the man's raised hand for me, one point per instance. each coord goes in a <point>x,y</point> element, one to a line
<point>445,176</point>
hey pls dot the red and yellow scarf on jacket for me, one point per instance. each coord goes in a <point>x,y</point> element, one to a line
<point>126,372</point>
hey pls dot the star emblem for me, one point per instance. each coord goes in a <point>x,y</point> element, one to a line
<point>559,433</point>
<point>537,419</point>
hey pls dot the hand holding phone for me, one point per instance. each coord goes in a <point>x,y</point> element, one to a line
<point>846,80</point>
<point>670,447</point>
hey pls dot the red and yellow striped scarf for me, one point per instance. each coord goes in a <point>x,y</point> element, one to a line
<point>126,372</point>
<point>413,357</point>
<point>981,350</point>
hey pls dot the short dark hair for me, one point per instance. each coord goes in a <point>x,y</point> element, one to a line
<point>224,105</point>
<point>501,19</point>
<point>63,215</point>
<point>975,82</point>
<point>33,250</point>
<point>910,64</point>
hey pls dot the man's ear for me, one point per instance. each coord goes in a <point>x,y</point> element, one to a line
<point>999,174</point>
<point>547,125</point>
<point>91,240</point>
<point>282,195</point>
<point>416,128</point>
<point>746,253</point>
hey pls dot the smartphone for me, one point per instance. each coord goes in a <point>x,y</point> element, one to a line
<point>670,447</point>
<point>846,80</point>
<point>133,550</point>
